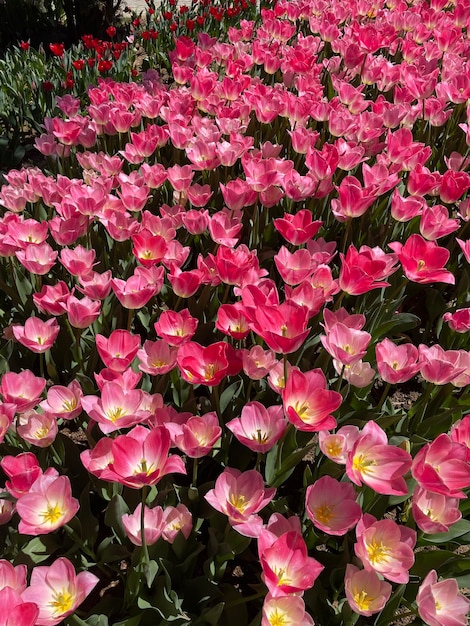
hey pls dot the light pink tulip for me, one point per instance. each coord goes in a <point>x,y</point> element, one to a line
<point>434,512</point>
<point>47,506</point>
<point>442,467</point>
<point>176,519</point>
<point>58,590</point>
<point>153,519</point>
<point>440,603</point>
<point>365,592</point>
<point>285,611</point>
<point>385,547</point>
<point>287,568</point>
<point>331,506</point>
<point>36,335</point>
<point>258,427</point>
<point>375,463</point>
<point>240,496</point>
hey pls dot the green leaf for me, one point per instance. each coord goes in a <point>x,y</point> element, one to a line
<point>40,549</point>
<point>113,517</point>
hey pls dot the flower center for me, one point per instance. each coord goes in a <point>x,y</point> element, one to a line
<point>362,600</point>
<point>115,414</point>
<point>238,501</point>
<point>362,464</point>
<point>378,552</point>
<point>277,619</point>
<point>324,514</point>
<point>62,602</point>
<point>53,514</point>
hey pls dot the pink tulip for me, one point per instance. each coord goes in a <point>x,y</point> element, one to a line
<point>365,592</point>
<point>22,470</point>
<point>459,321</point>
<point>118,350</point>
<point>38,429</point>
<point>153,519</point>
<point>434,512</point>
<point>135,292</point>
<point>117,408</point>
<point>63,402</point>
<point>23,389</point>
<point>12,576</point>
<point>232,320</point>
<point>141,458</point>
<point>95,286</point>
<point>308,403</point>
<point>57,590</point>
<point>293,267</point>
<point>297,228</point>
<point>364,270</point>
<point>47,506</point>
<point>385,547</point>
<point>78,261</point>
<point>36,335</point>
<point>287,568</point>
<point>257,363</point>
<point>201,365</point>
<point>14,611</point>
<point>157,357</point>
<point>441,467</point>
<point>51,299</point>
<point>439,366</point>
<point>176,519</point>
<point>197,436</point>
<point>440,603</point>
<point>396,364</point>
<point>284,328</point>
<point>240,496</point>
<point>258,427</point>
<point>336,446</point>
<point>332,506</point>
<point>285,611</point>
<point>346,345</point>
<point>460,432</point>
<point>176,327</point>
<point>37,258</point>
<point>7,415</point>
<point>423,261</point>
<point>82,313</point>
<point>375,463</point>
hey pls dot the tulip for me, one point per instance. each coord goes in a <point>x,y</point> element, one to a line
<point>240,496</point>
<point>48,505</point>
<point>440,603</point>
<point>332,506</point>
<point>308,403</point>
<point>365,592</point>
<point>57,590</point>
<point>258,427</point>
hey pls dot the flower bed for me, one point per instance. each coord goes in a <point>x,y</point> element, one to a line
<point>234,365</point>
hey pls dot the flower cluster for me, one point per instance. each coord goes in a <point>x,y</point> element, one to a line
<point>235,328</point>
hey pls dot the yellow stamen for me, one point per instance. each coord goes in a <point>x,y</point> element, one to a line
<point>378,552</point>
<point>53,514</point>
<point>324,514</point>
<point>62,602</point>
<point>362,600</point>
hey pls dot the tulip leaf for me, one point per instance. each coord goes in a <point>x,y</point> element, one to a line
<point>459,529</point>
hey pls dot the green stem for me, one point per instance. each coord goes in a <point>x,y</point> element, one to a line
<point>195,464</point>
<point>216,401</point>
<point>130,316</point>
<point>145,550</point>
<point>384,394</point>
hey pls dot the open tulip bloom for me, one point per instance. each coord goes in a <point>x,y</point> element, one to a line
<point>234,357</point>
